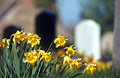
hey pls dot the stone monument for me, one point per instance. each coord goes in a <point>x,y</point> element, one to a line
<point>87,38</point>
<point>45,23</point>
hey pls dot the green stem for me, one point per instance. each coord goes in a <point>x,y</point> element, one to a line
<point>39,69</point>
<point>26,70</point>
<point>72,73</point>
<point>60,53</point>
<point>5,73</point>
<point>50,46</point>
<point>2,73</point>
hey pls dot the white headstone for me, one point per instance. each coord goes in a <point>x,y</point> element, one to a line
<point>107,42</point>
<point>87,38</point>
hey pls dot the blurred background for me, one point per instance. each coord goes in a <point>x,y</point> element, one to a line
<point>68,14</point>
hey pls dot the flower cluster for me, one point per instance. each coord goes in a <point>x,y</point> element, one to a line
<point>34,55</point>
<point>31,38</point>
<point>100,65</point>
<point>40,62</point>
<point>72,63</point>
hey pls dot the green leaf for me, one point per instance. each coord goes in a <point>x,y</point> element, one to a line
<point>81,67</point>
<point>50,46</point>
<point>62,71</point>
<point>2,73</point>
<point>40,68</point>
<point>16,60</point>
<point>76,75</point>
<point>5,50</point>
<point>34,70</point>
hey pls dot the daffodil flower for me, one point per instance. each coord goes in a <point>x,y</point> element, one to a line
<point>31,57</point>
<point>2,43</point>
<point>90,69</point>
<point>60,41</point>
<point>72,63</point>
<point>70,51</point>
<point>17,37</point>
<point>46,56</point>
<point>33,39</point>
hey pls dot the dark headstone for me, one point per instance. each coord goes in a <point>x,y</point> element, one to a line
<point>45,27</point>
<point>8,31</point>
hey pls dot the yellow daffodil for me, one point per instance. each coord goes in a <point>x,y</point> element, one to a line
<point>33,39</point>
<point>77,63</point>
<point>90,69</point>
<point>31,57</point>
<point>103,66</point>
<point>85,59</point>
<point>92,59</point>
<point>22,37</point>
<point>2,43</point>
<point>107,65</point>
<point>17,36</point>
<point>69,61</point>
<point>28,36</point>
<point>100,65</point>
<point>46,56</point>
<point>72,63</point>
<point>33,42</point>
<point>80,53</point>
<point>37,37</point>
<point>71,67</point>
<point>65,60</point>
<point>60,41</point>
<point>41,52</point>
<point>70,50</point>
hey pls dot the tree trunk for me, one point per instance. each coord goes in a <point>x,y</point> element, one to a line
<point>116,56</point>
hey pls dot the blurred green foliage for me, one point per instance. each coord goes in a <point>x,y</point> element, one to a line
<point>107,73</point>
<point>102,11</point>
<point>43,3</point>
<point>106,56</point>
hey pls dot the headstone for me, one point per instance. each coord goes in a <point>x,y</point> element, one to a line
<point>9,30</point>
<point>45,27</point>
<point>87,38</point>
<point>107,42</point>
